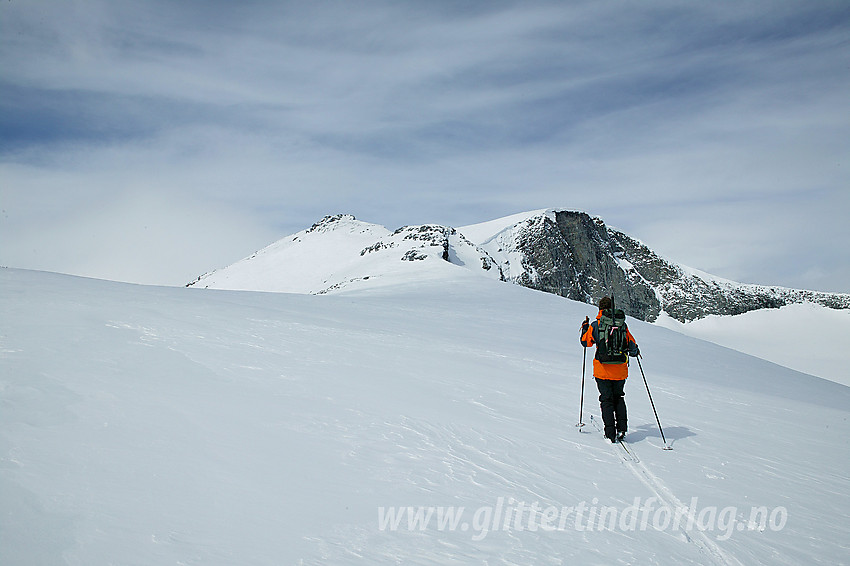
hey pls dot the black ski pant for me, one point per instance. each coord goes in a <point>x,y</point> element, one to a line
<point>613,405</point>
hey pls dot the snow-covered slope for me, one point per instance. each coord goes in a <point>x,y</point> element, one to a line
<point>484,232</point>
<point>805,337</point>
<point>145,425</point>
<point>301,263</point>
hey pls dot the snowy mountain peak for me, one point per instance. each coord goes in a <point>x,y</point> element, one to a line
<point>340,251</point>
<point>560,251</point>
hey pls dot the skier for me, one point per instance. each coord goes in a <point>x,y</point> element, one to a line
<point>610,364</point>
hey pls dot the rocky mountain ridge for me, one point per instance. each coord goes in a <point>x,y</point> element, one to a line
<point>577,256</point>
<point>568,253</point>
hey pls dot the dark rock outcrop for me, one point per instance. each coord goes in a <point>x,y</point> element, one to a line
<point>574,256</point>
<point>577,256</point>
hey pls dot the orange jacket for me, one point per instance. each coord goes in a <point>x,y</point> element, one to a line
<point>616,372</point>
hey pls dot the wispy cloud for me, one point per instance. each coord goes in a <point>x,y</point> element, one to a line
<point>274,114</point>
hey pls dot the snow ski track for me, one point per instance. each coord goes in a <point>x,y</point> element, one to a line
<point>697,537</point>
<point>667,498</point>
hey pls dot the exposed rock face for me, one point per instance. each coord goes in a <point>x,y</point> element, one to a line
<point>688,296</point>
<point>572,255</point>
<point>329,222</point>
<point>576,256</point>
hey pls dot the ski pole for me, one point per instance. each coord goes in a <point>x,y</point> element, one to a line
<point>583,364</point>
<point>653,405</point>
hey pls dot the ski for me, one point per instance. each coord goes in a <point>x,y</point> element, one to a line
<point>628,450</point>
<point>626,453</point>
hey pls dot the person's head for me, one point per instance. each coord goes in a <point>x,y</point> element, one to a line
<point>604,303</point>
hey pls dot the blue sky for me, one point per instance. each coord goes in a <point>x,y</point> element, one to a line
<point>153,141</point>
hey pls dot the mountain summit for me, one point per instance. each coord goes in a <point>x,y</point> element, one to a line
<point>340,251</point>
<point>568,253</point>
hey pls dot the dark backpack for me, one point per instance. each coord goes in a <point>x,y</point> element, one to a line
<point>613,344</point>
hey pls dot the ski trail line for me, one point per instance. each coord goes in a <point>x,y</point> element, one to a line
<point>668,498</point>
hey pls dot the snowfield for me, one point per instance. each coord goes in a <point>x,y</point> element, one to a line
<point>147,425</point>
<point>806,337</point>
